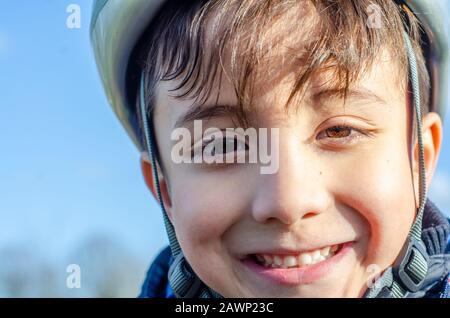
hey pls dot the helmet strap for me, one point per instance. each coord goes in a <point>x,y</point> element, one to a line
<point>184,282</point>
<point>411,266</point>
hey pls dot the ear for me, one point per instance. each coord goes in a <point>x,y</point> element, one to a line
<point>432,139</point>
<point>147,172</point>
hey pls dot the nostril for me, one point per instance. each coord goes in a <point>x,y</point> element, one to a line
<point>308,215</point>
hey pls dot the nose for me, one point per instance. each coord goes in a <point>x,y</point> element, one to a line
<point>296,191</point>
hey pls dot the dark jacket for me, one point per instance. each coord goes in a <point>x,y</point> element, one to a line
<point>435,235</point>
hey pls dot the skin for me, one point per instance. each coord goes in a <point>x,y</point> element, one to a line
<point>328,190</point>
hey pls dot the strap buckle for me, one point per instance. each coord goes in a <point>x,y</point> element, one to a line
<point>182,279</point>
<point>412,267</point>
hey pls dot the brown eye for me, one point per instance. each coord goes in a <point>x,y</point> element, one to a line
<point>338,132</point>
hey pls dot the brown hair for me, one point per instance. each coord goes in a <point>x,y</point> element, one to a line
<point>322,36</point>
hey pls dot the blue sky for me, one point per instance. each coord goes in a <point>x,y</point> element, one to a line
<point>68,170</point>
<point>67,167</point>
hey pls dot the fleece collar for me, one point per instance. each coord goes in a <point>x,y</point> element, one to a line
<point>435,229</point>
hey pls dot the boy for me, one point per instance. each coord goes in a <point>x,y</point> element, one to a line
<point>348,92</point>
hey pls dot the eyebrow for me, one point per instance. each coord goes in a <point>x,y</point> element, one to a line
<point>199,112</point>
<point>358,94</point>
<point>207,111</point>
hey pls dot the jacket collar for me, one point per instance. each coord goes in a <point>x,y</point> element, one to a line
<point>435,236</point>
<point>435,229</point>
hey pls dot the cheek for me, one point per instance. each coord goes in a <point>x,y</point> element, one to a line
<point>203,210</point>
<point>378,185</point>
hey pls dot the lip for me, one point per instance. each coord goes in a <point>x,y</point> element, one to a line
<point>297,276</point>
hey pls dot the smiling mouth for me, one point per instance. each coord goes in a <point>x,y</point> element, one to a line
<point>299,260</point>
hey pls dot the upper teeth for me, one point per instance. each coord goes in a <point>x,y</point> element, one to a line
<point>302,259</point>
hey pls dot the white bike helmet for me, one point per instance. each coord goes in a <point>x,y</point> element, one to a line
<point>117,25</point>
<point>116,28</point>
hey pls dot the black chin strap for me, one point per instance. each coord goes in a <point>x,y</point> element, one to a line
<point>408,273</point>
<point>184,282</point>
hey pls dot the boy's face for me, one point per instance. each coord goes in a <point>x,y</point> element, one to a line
<point>337,210</point>
<point>344,179</point>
